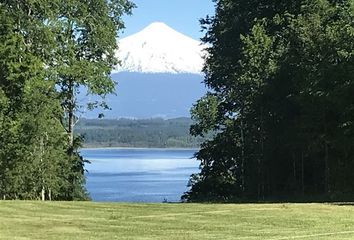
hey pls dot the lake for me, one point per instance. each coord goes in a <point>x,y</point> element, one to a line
<point>138,175</point>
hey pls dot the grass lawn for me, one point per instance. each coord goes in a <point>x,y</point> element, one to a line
<point>86,220</point>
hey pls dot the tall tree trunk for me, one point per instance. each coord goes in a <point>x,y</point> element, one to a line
<point>70,109</point>
<point>49,194</point>
<point>327,170</point>
<point>302,173</point>
<point>295,172</point>
<point>41,152</point>
<point>326,156</point>
<point>242,154</point>
<point>261,194</point>
<point>43,194</point>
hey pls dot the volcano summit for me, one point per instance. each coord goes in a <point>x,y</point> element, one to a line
<point>160,49</point>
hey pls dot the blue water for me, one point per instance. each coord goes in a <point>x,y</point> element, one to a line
<point>138,175</point>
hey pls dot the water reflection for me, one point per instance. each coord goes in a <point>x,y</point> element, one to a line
<point>138,175</point>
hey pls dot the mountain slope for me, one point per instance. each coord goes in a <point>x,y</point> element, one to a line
<point>160,49</point>
<point>145,95</point>
<point>160,75</point>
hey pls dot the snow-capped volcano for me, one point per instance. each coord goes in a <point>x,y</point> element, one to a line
<point>160,49</point>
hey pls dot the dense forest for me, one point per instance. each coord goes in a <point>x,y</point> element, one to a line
<point>281,75</point>
<point>48,51</point>
<point>155,133</point>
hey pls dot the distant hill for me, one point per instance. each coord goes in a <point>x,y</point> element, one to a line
<point>157,132</point>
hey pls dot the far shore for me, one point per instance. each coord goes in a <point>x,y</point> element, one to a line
<point>137,148</point>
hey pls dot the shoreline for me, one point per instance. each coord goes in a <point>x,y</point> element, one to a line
<point>136,148</point>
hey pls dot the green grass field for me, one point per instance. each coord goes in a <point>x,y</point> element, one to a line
<point>85,220</point>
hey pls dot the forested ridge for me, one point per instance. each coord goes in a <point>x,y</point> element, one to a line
<point>154,133</point>
<point>281,75</point>
<point>49,50</point>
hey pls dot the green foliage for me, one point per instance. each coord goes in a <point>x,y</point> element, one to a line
<point>158,133</point>
<point>283,81</point>
<point>85,37</point>
<point>205,114</point>
<point>46,46</point>
<point>31,149</point>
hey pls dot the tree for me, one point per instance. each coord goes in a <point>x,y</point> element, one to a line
<point>85,36</point>
<point>85,44</point>
<point>48,46</point>
<point>280,75</point>
<point>30,129</point>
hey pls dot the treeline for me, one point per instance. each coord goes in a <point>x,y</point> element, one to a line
<point>48,50</point>
<point>281,75</point>
<point>155,133</point>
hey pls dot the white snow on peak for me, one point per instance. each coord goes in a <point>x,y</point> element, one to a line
<point>160,49</point>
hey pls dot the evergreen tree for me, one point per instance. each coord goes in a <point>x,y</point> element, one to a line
<point>280,80</point>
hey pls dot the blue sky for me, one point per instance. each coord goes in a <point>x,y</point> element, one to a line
<point>182,15</point>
